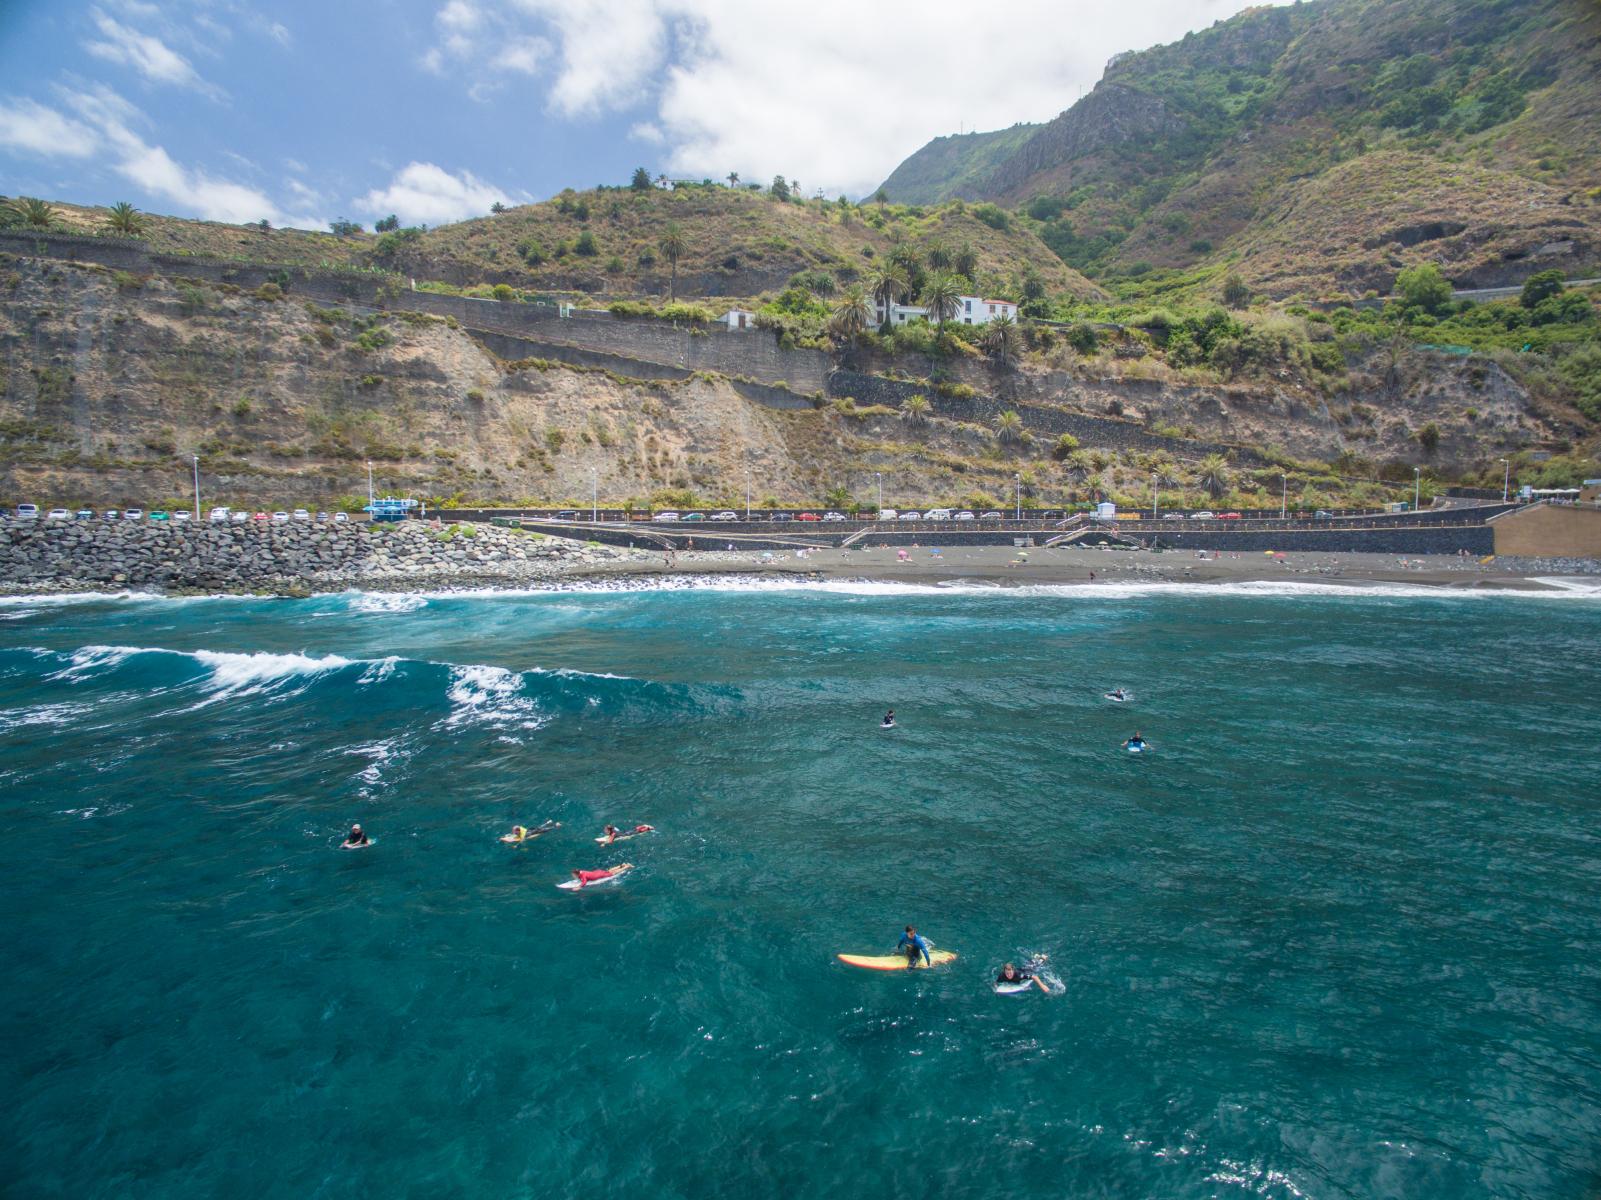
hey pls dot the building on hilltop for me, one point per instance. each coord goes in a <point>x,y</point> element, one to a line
<point>970,310</point>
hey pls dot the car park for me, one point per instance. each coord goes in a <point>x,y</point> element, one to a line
<point>665,516</point>
<point>725,515</point>
<point>910,516</point>
<point>833,516</point>
<point>964,515</point>
<point>301,514</point>
<point>341,518</point>
<point>59,514</point>
<point>1203,516</point>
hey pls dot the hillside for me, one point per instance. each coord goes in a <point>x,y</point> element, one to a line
<point>1458,131</point>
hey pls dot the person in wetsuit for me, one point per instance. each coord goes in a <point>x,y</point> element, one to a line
<point>357,839</point>
<point>912,944</point>
<point>889,719</point>
<point>1011,974</point>
<point>1136,742</point>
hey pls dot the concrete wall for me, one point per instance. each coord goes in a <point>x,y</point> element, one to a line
<point>1549,531</point>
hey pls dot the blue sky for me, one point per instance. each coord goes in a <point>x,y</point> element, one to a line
<point>301,112</point>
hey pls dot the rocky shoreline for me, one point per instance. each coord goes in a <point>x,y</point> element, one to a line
<point>296,558</point>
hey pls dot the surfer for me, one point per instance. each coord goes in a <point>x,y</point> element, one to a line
<point>357,839</point>
<point>1011,974</point>
<point>912,944</point>
<point>521,833</point>
<point>585,878</point>
<point>889,720</point>
<point>611,833</point>
<point>1117,694</point>
<point>1136,742</point>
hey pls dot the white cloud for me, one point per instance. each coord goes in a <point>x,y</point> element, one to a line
<point>148,55</point>
<point>646,132</point>
<point>834,91</point>
<point>524,54</point>
<point>422,193</point>
<point>31,127</point>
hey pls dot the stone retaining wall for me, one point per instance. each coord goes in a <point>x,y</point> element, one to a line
<point>260,556</point>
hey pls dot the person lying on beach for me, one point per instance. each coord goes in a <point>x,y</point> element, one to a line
<point>521,833</point>
<point>1011,974</point>
<point>585,878</point>
<point>356,841</point>
<point>611,833</point>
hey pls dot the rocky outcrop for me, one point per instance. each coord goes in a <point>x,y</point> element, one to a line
<point>286,558</point>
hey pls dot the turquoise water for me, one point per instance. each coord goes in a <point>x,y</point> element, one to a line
<point>1338,934</point>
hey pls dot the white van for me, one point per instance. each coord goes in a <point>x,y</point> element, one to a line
<point>884,514</point>
<point>937,514</point>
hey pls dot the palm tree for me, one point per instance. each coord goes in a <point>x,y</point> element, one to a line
<point>940,257</point>
<point>733,179</point>
<point>34,212</point>
<point>966,261</point>
<point>887,285</point>
<point>915,411</point>
<point>852,313</point>
<point>1001,337</point>
<point>1213,475</point>
<point>672,248</point>
<point>124,218</point>
<point>1009,429</point>
<point>942,297</point>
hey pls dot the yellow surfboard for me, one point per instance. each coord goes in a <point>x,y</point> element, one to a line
<point>895,962</point>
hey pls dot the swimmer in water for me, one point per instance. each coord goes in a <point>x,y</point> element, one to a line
<point>357,839</point>
<point>521,833</point>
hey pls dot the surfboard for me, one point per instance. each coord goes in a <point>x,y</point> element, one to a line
<point>572,885</point>
<point>895,962</point>
<point>1140,749</point>
<point>886,724</point>
<point>622,837</point>
<point>1013,989</point>
<point>1116,699</point>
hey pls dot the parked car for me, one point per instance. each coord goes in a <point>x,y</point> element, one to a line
<point>989,516</point>
<point>84,514</point>
<point>301,514</point>
<point>59,514</point>
<point>937,514</point>
<point>110,514</point>
<point>280,516</point>
<point>218,516</point>
<point>1203,516</point>
<point>239,516</point>
<point>566,514</point>
<point>322,516</point>
<point>180,514</point>
<point>807,517</point>
<point>694,516</point>
<point>1229,517</point>
<point>158,514</point>
<point>341,518</point>
<point>260,516</point>
<point>886,514</point>
<point>964,515</point>
<point>725,515</point>
<point>1323,514</point>
<point>27,512</point>
<point>665,516</point>
<point>833,516</point>
<point>778,516</point>
<point>910,516</point>
<point>133,514</point>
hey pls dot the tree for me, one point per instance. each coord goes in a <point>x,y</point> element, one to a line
<point>1083,338</point>
<point>1009,429</point>
<point>1001,337</point>
<point>34,212</point>
<point>497,208</point>
<point>124,218</point>
<point>343,228</point>
<point>887,285</point>
<point>852,314</point>
<point>966,262</point>
<point>1542,285</point>
<point>641,180</point>
<point>838,496</point>
<point>585,245</point>
<point>881,197</point>
<point>1213,475</point>
<point>1235,292</point>
<point>779,189</point>
<point>940,257</point>
<point>915,411</point>
<point>1423,287</point>
<point>672,248</point>
<point>733,179</point>
<point>942,297</point>
<point>386,224</point>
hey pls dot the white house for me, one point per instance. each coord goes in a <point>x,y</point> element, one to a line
<point>970,310</point>
<point>738,318</point>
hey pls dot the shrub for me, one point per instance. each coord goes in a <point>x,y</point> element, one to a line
<point>1235,292</point>
<point>1082,337</point>
<point>531,251</point>
<point>241,407</point>
<point>1423,287</point>
<point>993,216</point>
<point>585,246</point>
<point>1429,437</point>
<point>373,339</point>
<point>475,395</point>
<point>1065,445</point>
<point>192,299</point>
<point>386,224</point>
<point>1542,285</point>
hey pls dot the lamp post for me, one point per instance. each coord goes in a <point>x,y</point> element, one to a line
<point>879,475</point>
<point>747,493</point>
<point>196,457</point>
<point>1506,479</point>
<point>1019,479</point>
<point>1417,487</point>
<point>1284,497</point>
<point>594,496</point>
<point>370,496</point>
<point>1153,495</point>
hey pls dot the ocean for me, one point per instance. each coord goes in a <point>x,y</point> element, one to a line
<point>1336,934</point>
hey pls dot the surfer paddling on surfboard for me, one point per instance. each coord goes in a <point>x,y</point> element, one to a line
<point>913,944</point>
<point>1117,694</point>
<point>889,720</point>
<point>613,834</point>
<point>521,833</point>
<point>1136,743</point>
<point>591,878</point>
<point>357,839</point>
<point>1011,977</point>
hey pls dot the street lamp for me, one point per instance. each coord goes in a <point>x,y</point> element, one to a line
<point>1506,479</point>
<point>1153,495</point>
<point>1019,479</point>
<point>879,475</point>
<point>1284,497</point>
<point>594,496</point>
<point>1417,487</point>
<point>196,457</point>
<point>747,493</point>
<point>370,496</point>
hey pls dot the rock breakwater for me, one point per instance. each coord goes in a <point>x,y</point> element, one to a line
<point>285,558</point>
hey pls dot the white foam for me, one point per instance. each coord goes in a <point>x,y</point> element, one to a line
<point>386,602</point>
<point>42,714</point>
<point>490,696</point>
<point>91,660</point>
<point>78,597</point>
<point>378,671</point>
<point>378,755</point>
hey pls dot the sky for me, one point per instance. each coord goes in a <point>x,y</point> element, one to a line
<point>301,113</point>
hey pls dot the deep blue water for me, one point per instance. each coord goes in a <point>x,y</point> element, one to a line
<point>1338,934</point>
